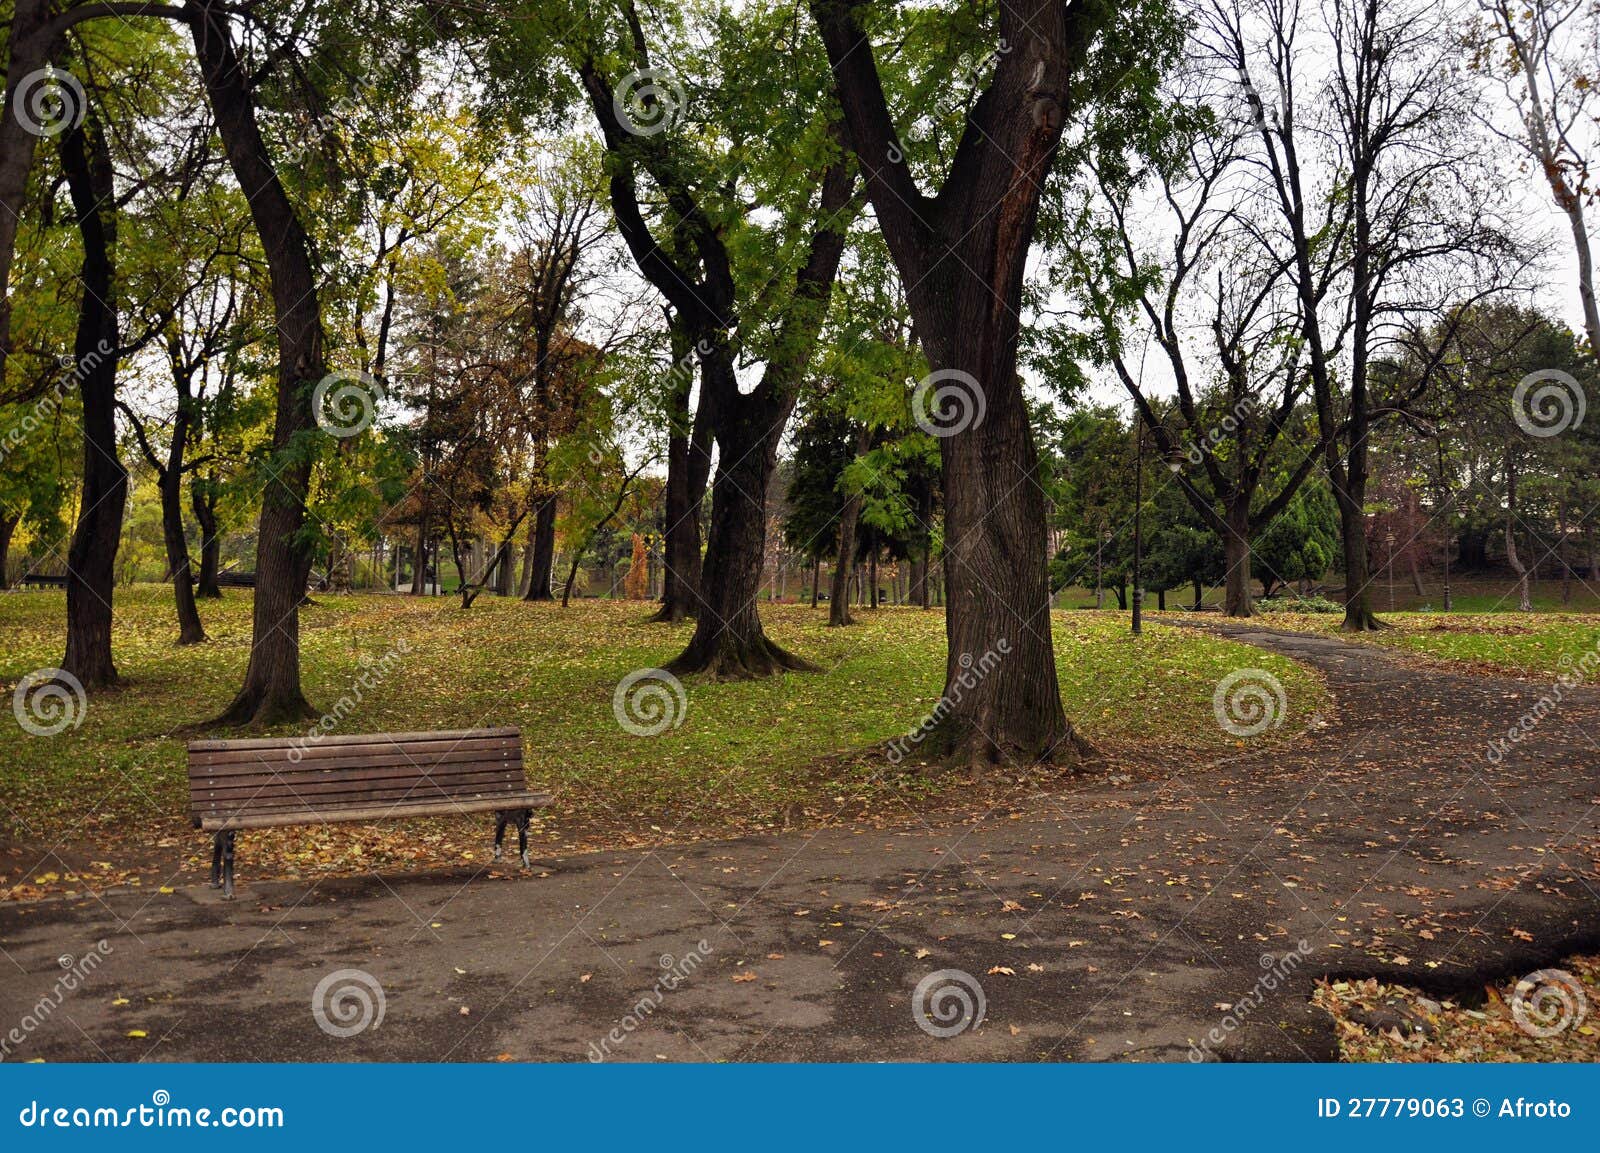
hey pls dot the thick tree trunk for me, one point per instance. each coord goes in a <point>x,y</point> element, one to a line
<point>542,536</point>
<point>271,690</point>
<point>1236,553</point>
<point>92,556</point>
<point>728,641</point>
<point>203,500</point>
<point>29,52</point>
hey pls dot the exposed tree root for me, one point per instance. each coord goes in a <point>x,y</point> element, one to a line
<point>732,660</point>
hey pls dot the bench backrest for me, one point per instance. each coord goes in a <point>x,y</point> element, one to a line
<point>282,780</point>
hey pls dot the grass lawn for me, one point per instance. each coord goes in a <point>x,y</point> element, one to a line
<point>1527,644</point>
<point>797,749</point>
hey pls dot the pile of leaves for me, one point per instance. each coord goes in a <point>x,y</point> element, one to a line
<point>1382,1022</point>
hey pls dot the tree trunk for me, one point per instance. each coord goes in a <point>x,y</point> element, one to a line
<point>203,500</point>
<point>1236,553</point>
<point>29,52</point>
<point>839,594</point>
<point>1199,594</point>
<point>419,555</point>
<point>688,470</point>
<point>728,641</point>
<point>8,526</point>
<point>542,537</point>
<point>1416,575</point>
<point>1561,553</point>
<point>1524,596</point>
<point>92,556</point>
<point>816,579</point>
<point>271,690</point>
<point>190,630</point>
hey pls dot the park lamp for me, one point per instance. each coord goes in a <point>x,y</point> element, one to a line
<point>1175,460</point>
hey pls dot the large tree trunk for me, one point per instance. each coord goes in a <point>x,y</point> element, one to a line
<point>419,555</point>
<point>29,49</point>
<point>728,641</point>
<point>1236,553</point>
<point>962,255</point>
<point>203,500</point>
<point>271,690</point>
<point>542,536</point>
<point>92,556</point>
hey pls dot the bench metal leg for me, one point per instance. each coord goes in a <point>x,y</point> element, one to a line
<point>216,860</point>
<point>226,846</point>
<point>504,817</point>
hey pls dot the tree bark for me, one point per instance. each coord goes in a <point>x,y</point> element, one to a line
<point>271,691</point>
<point>92,556</point>
<point>688,471</point>
<point>203,500</point>
<point>8,526</point>
<point>542,538</point>
<point>1236,554</point>
<point>29,52</point>
<point>962,253</point>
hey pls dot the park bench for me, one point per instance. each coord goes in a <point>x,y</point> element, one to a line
<point>275,781</point>
<point>44,580</point>
<point>236,580</point>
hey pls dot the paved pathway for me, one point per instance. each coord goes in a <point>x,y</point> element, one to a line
<point>1113,919</point>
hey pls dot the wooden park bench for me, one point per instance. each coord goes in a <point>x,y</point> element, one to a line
<point>274,781</point>
<point>236,580</point>
<point>44,580</point>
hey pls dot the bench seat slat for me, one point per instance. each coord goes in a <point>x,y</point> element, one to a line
<point>213,824</point>
<point>289,769</point>
<point>358,800</point>
<point>405,752</point>
<point>444,735</point>
<point>354,778</point>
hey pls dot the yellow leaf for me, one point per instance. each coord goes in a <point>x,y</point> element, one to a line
<point>137,1033</point>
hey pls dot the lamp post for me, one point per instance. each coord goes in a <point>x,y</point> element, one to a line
<point>1388,540</point>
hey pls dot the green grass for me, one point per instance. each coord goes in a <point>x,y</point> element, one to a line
<point>746,755</point>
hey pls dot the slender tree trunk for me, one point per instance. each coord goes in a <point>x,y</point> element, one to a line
<point>1524,595</point>
<point>271,690</point>
<point>839,594</point>
<point>816,580</point>
<point>1416,575</point>
<point>688,471</point>
<point>203,500</point>
<point>1236,553</point>
<point>1199,594</point>
<point>190,630</point>
<point>419,554</point>
<point>1561,553</point>
<point>542,537</point>
<point>8,526</point>
<point>92,556</point>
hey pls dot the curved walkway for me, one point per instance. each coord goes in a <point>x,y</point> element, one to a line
<point>1183,912</point>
